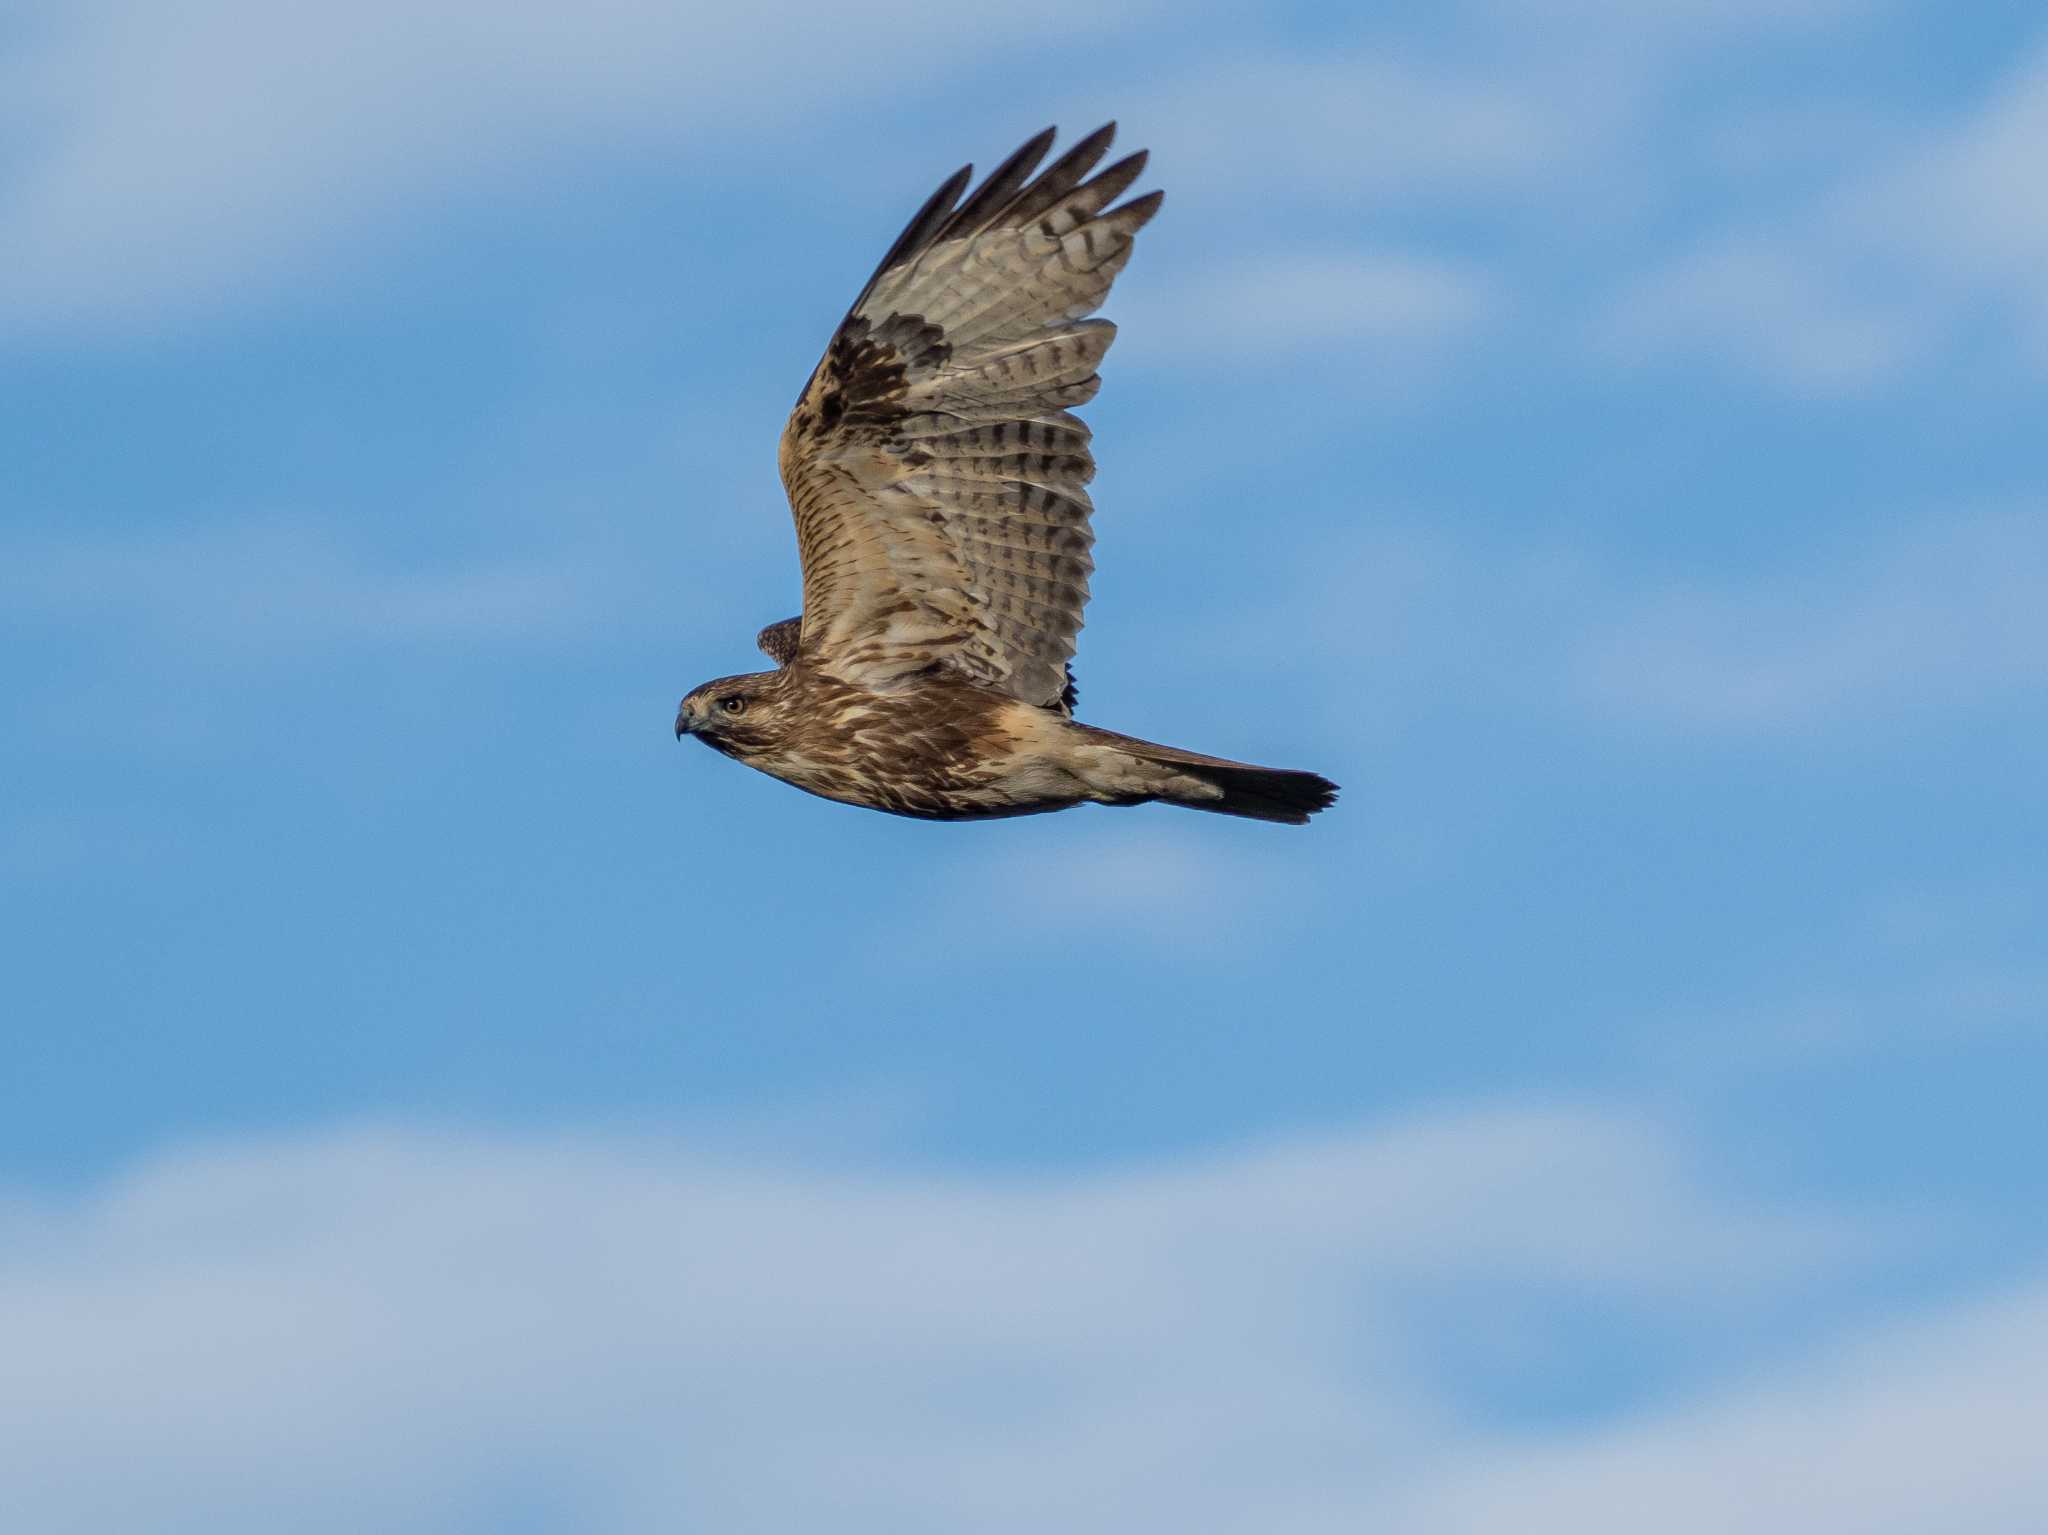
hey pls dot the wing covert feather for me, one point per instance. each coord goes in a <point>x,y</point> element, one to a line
<point>779,641</point>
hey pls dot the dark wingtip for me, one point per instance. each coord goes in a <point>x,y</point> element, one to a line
<point>1140,210</point>
<point>1132,165</point>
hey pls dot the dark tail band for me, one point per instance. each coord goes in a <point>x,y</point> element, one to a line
<point>1257,793</point>
<point>1262,794</point>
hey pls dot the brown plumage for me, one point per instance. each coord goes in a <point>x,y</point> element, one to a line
<point>938,480</point>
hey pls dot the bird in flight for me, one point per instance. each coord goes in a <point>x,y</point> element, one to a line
<point>938,479</point>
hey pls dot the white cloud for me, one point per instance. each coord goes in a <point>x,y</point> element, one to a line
<point>192,635</point>
<point>165,160</point>
<point>1682,19</point>
<point>1900,260</point>
<point>1877,632</point>
<point>1765,302</point>
<point>1740,1046</point>
<point>1491,105</point>
<point>1968,203</point>
<point>1276,306</point>
<point>1927,1424</point>
<point>264,592</point>
<point>1081,883</point>
<point>1935,620</point>
<point>180,156</point>
<point>1353,127</point>
<point>413,1332</point>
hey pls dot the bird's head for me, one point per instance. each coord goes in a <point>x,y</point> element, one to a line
<point>740,716</point>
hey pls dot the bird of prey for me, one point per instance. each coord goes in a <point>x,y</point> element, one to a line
<point>937,475</point>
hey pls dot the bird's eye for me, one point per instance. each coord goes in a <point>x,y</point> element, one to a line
<point>732,703</point>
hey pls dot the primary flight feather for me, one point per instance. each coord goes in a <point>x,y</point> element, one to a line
<point>938,478</point>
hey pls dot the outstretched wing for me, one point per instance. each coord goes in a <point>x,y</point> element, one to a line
<point>937,476</point>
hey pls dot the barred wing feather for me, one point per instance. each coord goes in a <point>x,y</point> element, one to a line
<point>936,472</point>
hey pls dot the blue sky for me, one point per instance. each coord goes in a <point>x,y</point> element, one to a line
<point>1604,437</point>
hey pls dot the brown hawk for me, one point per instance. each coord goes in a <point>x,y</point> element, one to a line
<point>938,480</point>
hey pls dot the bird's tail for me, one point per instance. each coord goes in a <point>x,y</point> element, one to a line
<point>1217,784</point>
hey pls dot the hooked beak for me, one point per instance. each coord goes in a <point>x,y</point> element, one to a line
<point>682,723</point>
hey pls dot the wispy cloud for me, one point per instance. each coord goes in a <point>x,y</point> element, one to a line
<point>1687,20</point>
<point>1897,261</point>
<point>1273,308</point>
<point>1925,1423</point>
<point>1937,619</point>
<point>1354,128</point>
<point>1826,1030</point>
<point>1088,881</point>
<point>269,592</point>
<point>1874,632</point>
<point>416,1331</point>
<point>180,158</point>
<point>1763,301</point>
<point>168,163</point>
